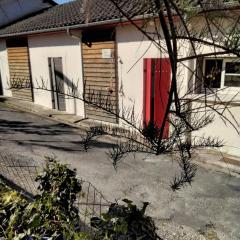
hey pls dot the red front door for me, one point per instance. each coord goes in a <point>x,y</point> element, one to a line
<point>157,77</point>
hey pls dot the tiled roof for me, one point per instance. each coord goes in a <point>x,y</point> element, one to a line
<point>78,12</point>
<point>71,14</point>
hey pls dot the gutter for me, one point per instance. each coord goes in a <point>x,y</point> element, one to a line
<point>78,26</point>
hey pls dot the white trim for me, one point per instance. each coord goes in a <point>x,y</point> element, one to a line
<point>230,74</point>
<point>223,73</point>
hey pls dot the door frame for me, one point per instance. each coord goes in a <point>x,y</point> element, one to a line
<point>157,80</point>
<point>55,94</point>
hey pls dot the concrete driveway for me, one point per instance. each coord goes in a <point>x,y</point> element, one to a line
<point>211,205</point>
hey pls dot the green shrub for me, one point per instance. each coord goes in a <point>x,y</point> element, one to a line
<point>52,214</point>
<point>11,202</point>
<point>125,222</point>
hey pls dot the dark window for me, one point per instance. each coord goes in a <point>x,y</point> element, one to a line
<point>213,73</point>
<point>233,67</point>
<point>17,42</point>
<point>98,36</point>
<point>232,74</point>
<point>217,73</point>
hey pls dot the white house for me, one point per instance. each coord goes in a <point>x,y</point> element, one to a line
<point>80,50</point>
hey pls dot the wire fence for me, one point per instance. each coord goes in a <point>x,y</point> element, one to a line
<point>20,173</point>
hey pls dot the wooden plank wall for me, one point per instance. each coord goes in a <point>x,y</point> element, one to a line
<point>18,59</point>
<point>100,79</point>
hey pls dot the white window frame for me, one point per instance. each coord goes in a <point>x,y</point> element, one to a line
<point>229,74</point>
<point>223,74</point>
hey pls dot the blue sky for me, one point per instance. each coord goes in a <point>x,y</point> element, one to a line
<point>62,1</point>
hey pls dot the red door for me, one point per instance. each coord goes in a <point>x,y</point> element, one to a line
<point>157,77</point>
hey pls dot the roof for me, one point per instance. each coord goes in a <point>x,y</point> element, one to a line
<point>70,14</point>
<point>76,13</point>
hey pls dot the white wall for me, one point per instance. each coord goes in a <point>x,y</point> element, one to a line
<point>221,128</point>
<point>41,47</point>
<point>132,48</point>
<point>4,69</point>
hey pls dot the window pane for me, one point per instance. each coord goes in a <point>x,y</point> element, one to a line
<point>232,81</point>
<point>233,67</point>
<point>213,71</point>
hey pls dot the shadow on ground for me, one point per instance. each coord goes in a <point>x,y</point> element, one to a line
<point>44,135</point>
<point>10,126</point>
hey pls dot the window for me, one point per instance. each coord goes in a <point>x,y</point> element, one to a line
<point>213,72</point>
<point>220,73</point>
<point>17,42</point>
<point>232,74</point>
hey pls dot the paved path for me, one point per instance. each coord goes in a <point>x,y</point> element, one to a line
<point>213,199</point>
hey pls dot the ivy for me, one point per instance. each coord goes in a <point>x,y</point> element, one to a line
<point>52,214</point>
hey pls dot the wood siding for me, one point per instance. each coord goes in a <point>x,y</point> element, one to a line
<point>100,82</point>
<point>20,74</point>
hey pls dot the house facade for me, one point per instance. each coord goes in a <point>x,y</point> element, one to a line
<point>98,54</point>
